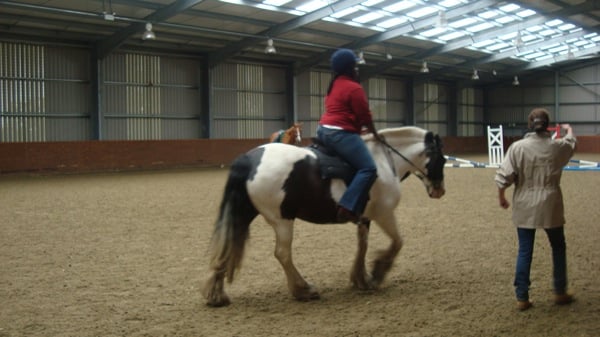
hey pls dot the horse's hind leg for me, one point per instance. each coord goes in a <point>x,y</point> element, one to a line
<point>284,233</point>
<point>359,276</point>
<point>214,291</point>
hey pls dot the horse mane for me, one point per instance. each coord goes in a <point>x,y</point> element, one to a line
<point>408,134</point>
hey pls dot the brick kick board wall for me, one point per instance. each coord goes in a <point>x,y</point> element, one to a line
<point>101,156</point>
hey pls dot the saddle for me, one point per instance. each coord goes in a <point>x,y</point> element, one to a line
<point>330,164</point>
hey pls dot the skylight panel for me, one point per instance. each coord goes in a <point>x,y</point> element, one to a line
<point>312,6</point>
<point>399,6</point>
<point>595,38</point>
<point>553,23</point>
<point>589,36</point>
<point>369,3</point>
<point>498,46</point>
<point>433,32</point>
<point>344,12</point>
<point>510,8</point>
<point>276,2</point>
<point>547,32</point>
<point>580,43</point>
<point>480,27</point>
<point>544,57</point>
<point>368,17</point>
<point>452,36</point>
<point>568,26</point>
<point>421,12</point>
<point>535,29</point>
<point>449,3</point>
<point>528,38</point>
<point>505,19</point>
<point>462,23</point>
<point>392,22</point>
<point>483,43</point>
<point>488,14</point>
<point>508,36</point>
<point>526,13</point>
<point>558,49</point>
<point>534,55</point>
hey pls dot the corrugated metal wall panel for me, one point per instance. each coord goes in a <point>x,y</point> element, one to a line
<point>151,97</point>
<point>244,103</point>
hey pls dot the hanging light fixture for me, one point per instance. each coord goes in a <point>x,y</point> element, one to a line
<point>270,49</point>
<point>361,58</point>
<point>148,34</point>
<point>424,68</point>
<point>516,81</point>
<point>475,75</point>
<point>389,56</point>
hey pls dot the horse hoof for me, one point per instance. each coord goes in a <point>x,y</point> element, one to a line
<point>308,293</point>
<point>218,302</point>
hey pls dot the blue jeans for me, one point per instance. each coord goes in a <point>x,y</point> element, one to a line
<point>350,147</point>
<point>556,236</point>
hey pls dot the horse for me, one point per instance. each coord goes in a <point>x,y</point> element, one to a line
<point>284,182</point>
<point>292,136</point>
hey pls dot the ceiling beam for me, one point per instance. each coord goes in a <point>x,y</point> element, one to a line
<point>106,46</point>
<point>235,48</point>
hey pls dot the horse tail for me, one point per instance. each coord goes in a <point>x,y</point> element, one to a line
<point>235,215</point>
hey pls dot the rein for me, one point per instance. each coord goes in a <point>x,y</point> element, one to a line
<point>391,148</point>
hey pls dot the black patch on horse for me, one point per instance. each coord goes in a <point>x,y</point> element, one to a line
<point>307,194</point>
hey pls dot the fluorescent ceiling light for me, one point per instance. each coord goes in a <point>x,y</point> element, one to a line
<point>398,6</point>
<point>547,32</point>
<point>547,56</point>
<point>558,49</point>
<point>535,55</point>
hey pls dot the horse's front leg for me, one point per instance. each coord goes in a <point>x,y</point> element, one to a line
<point>300,289</point>
<point>385,258</point>
<point>359,277</point>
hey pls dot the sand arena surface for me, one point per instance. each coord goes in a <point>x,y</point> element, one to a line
<point>125,254</point>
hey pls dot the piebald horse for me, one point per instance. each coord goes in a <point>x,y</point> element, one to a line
<point>292,136</point>
<point>283,182</point>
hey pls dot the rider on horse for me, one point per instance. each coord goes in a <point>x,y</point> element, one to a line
<point>346,113</point>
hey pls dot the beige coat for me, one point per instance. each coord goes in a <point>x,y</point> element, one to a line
<point>534,165</point>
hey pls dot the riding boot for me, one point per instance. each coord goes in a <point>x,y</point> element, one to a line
<point>345,215</point>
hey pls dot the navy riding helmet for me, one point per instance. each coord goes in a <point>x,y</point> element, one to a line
<point>343,61</point>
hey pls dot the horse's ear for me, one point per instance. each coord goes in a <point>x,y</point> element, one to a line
<point>429,137</point>
<point>438,141</point>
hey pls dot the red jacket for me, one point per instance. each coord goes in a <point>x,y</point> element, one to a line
<point>346,106</point>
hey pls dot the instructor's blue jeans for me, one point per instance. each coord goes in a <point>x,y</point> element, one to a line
<point>350,147</point>
<point>556,237</point>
